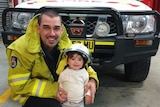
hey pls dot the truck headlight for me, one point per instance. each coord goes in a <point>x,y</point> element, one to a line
<point>102,29</point>
<point>21,20</point>
<point>138,23</point>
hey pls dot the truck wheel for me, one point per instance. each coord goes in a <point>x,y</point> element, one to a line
<point>137,71</point>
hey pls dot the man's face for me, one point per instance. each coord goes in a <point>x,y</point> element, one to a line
<point>50,30</point>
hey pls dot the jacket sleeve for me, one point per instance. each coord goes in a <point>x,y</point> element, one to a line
<point>21,81</point>
<point>93,74</point>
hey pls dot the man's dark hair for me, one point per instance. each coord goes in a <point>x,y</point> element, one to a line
<point>49,12</point>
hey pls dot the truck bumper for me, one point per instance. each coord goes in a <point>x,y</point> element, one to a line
<point>124,50</point>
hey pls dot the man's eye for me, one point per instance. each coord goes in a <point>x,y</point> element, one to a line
<point>56,28</point>
<point>45,27</point>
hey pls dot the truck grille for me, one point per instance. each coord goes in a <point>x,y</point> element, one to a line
<point>91,23</point>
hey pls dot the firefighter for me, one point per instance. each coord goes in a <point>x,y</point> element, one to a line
<point>33,60</point>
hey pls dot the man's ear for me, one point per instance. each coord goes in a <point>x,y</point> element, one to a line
<point>38,27</point>
<point>63,27</point>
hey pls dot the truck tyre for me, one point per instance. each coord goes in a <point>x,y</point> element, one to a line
<point>137,71</point>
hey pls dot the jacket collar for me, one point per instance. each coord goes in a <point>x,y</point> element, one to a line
<point>33,39</point>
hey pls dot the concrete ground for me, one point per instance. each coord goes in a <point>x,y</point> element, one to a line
<point>5,100</point>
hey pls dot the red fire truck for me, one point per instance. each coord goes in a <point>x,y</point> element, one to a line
<point>154,4</point>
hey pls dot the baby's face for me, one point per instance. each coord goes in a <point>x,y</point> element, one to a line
<point>75,62</point>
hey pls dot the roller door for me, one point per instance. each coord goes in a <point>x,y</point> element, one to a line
<point>3,5</point>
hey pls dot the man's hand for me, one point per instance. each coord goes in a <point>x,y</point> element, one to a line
<point>61,95</point>
<point>91,85</point>
<point>88,99</point>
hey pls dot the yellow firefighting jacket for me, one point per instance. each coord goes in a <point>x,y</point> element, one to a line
<point>28,74</point>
